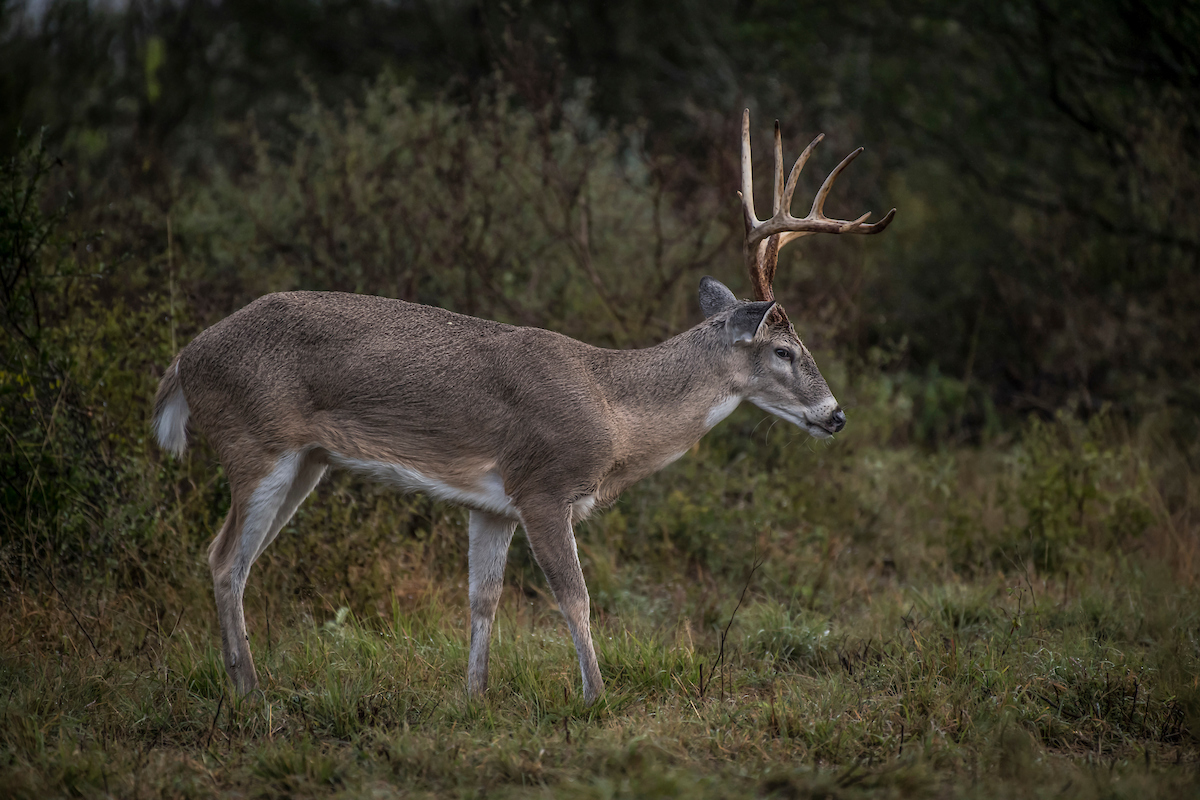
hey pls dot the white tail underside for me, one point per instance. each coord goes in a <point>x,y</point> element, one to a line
<point>170,425</point>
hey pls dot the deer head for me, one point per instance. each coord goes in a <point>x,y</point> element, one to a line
<point>782,376</point>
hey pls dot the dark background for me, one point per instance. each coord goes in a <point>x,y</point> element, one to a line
<point>574,165</point>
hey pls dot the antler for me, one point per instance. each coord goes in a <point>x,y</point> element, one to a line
<point>765,238</point>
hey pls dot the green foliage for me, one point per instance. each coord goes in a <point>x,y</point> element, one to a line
<point>491,210</point>
<point>1075,485</point>
<point>77,367</point>
<point>49,470</point>
<point>779,636</point>
<point>25,278</point>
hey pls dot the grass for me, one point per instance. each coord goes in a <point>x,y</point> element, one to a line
<point>998,690</point>
<point>1016,620</point>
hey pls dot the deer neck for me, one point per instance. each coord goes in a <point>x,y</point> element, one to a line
<point>670,395</point>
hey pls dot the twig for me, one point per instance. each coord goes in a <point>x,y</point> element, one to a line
<point>267,600</point>
<point>725,633</point>
<point>429,716</point>
<point>178,617</point>
<point>70,611</point>
<point>216,716</point>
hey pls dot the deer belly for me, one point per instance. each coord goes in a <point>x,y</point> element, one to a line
<point>484,491</point>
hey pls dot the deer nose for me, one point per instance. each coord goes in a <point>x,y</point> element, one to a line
<point>838,419</point>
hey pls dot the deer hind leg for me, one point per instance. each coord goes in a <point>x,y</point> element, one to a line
<point>490,537</point>
<point>553,543</point>
<point>308,475</point>
<point>255,517</point>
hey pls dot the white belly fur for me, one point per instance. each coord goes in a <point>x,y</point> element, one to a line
<point>582,507</point>
<point>486,495</point>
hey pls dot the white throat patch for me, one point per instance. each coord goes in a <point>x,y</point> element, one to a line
<point>721,410</point>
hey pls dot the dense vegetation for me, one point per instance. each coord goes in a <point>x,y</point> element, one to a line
<point>986,586</point>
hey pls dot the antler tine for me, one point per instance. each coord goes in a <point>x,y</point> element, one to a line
<point>747,192</point>
<point>794,177</point>
<point>877,227</point>
<point>777,195</point>
<point>816,221</point>
<point>757,252</point>
<point>818,206</point>
<point>769,258</point>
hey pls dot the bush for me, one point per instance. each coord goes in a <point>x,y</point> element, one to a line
<point>534,217</point>
<point>75,376</point>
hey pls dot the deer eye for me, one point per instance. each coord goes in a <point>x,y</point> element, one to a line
<point>784,354</point>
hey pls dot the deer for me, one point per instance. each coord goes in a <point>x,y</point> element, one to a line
<point>520,425</point>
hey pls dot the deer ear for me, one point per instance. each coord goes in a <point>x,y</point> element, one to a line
<point>745,323</point>
<point>715,297</point>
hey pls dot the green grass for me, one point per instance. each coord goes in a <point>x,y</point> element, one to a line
<point>997,689</point>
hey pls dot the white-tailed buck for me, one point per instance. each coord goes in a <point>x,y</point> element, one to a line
<point>520,425</point>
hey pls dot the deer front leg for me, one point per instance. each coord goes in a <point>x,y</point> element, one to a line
<point>490,537</point>
<point>553,543</point>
